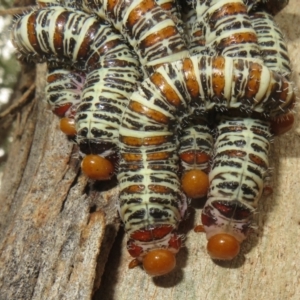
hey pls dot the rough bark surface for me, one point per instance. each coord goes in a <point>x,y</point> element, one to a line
<point>53,220</point>
<point>57,228</point>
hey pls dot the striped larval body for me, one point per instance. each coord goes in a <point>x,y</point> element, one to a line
<point>111,68</point>
<point>241,152</point>
<point>63,90</point>
<point>236,181</point>
<point>270,39</point>
<point>147,133</point>
<point>147,27</point>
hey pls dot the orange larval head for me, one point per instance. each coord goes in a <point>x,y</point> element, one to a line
<point>155,248</point>
<point>159,262</point>
<point>67,126</point>
<point>195,183</point>
<point>97,167</point>
<point>223,246</point>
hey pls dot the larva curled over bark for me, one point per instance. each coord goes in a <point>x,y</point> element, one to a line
<point>112,70</point>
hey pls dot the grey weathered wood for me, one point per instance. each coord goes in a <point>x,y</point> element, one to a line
<point>53,226</point>
<point>53,220</point>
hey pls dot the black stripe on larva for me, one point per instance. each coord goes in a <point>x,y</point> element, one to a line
<point>200,142</point>
<point>201,129</point>
<point>132,122</point>
<point>93,146</point>
<point>45,40</point>
<point>53,98</point>
<point>104,101</point>
<point>135,178</point>
<point>107,107</point>
<point>248,191</point>
<point>158,51</point>
<point>238,143</point>
<point>71,46</point>
<point>203,77</point>
<point>159,180</point>
<point>255,170</point>
<point>228,185</point>
<point>104,116</point>
<point>87,105</point>
<point>172,72</point>
<point>231,164</point>
<point>257,148</point>
<point>153,128</point>
<point>82,116</point>
<point>231,26</point>
<point>162,105</point>
<point>160,165</point>
<point>99,133</point>
<point>131,200</point>
<point>269,44</point>
<point>115,83</point>
<point>182,91</point>
<point>176,45</point>
<point>137,120</point>
<point>260,133</point>
<point>138,214</point>
<point>149,94</point>
<point>44,19</point>
<point>135,150</point>
<point>230,153</point>
<point>158,214</point>
<point>232,128</point>
<point>163,201</point>
<point>239,53</point>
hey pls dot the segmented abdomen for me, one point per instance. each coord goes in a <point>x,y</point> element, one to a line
<point>87,44</point>
<point>147,138</point>
<point>53,33</point>
<point>104,97</point>
<point>240,162</point>
<point>223,27</point>
<point>273,48</point>
<point>236,180</point>
<point>147,27</point>
<point>63,90</point>
<point>150,193</point>
<point>196,143</point>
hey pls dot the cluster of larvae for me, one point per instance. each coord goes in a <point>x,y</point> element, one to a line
<point>176,105</point>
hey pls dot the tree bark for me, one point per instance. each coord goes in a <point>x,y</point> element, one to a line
<point>57,228</point>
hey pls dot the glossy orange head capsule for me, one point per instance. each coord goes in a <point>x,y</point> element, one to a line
<point>223,246</point>
<point>195,183</point>
<point>159,262</point>
<point>67,126</point>
<point>97,167</point>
